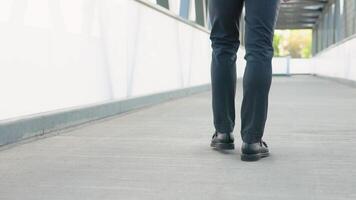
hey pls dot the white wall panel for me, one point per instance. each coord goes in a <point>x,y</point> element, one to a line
<point>338,61</point>
<point>61,54</point>
<point>301,66</point>
<point>279,65</point>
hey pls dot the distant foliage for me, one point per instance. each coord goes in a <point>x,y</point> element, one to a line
<point>296,43</point>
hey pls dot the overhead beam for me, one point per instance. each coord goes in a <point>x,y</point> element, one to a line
<point>300,13</point>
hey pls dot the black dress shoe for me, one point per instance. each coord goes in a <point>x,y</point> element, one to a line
<point>223,141</point>
<point>254,151</point>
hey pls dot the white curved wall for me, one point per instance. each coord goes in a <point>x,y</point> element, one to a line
<point>337,61</point>
<point>63,53</point>
<point>58,54</point>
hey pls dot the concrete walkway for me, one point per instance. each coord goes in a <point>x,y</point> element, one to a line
<point>162,152</point>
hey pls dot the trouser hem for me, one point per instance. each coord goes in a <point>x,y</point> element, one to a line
<point>224,128</point>
<point>250,138</point>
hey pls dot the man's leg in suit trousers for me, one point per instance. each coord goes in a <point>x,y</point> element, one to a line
<point>260,22</point>
<point>225,17</point>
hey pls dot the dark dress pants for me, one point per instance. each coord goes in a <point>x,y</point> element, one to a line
<point>260,20</point>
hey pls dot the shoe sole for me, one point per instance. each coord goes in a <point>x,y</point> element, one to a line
<point>253,157</point>
<point>223,146</point>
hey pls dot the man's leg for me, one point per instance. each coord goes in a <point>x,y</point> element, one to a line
<point>225,17</point>
<point>260,23</point>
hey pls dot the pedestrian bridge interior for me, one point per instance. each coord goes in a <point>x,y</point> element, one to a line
<point>111,100</point>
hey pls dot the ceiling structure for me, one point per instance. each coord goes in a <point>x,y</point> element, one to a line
<point>300,14</point>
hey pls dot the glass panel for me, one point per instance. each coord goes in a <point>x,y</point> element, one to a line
<point>163,3</point>
<point>199,11</point>
<point>184,8</point>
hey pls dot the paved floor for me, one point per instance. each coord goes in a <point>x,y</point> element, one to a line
<point>162,152</point>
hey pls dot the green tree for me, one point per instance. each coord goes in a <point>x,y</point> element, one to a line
<point>276,41</point>
<point>296,43</point>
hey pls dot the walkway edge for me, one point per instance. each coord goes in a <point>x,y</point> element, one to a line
<point>348,82</point>
<point>14,130</point>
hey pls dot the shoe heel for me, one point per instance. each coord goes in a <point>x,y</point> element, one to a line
<point>223,146</point>
<point>250,157</point>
